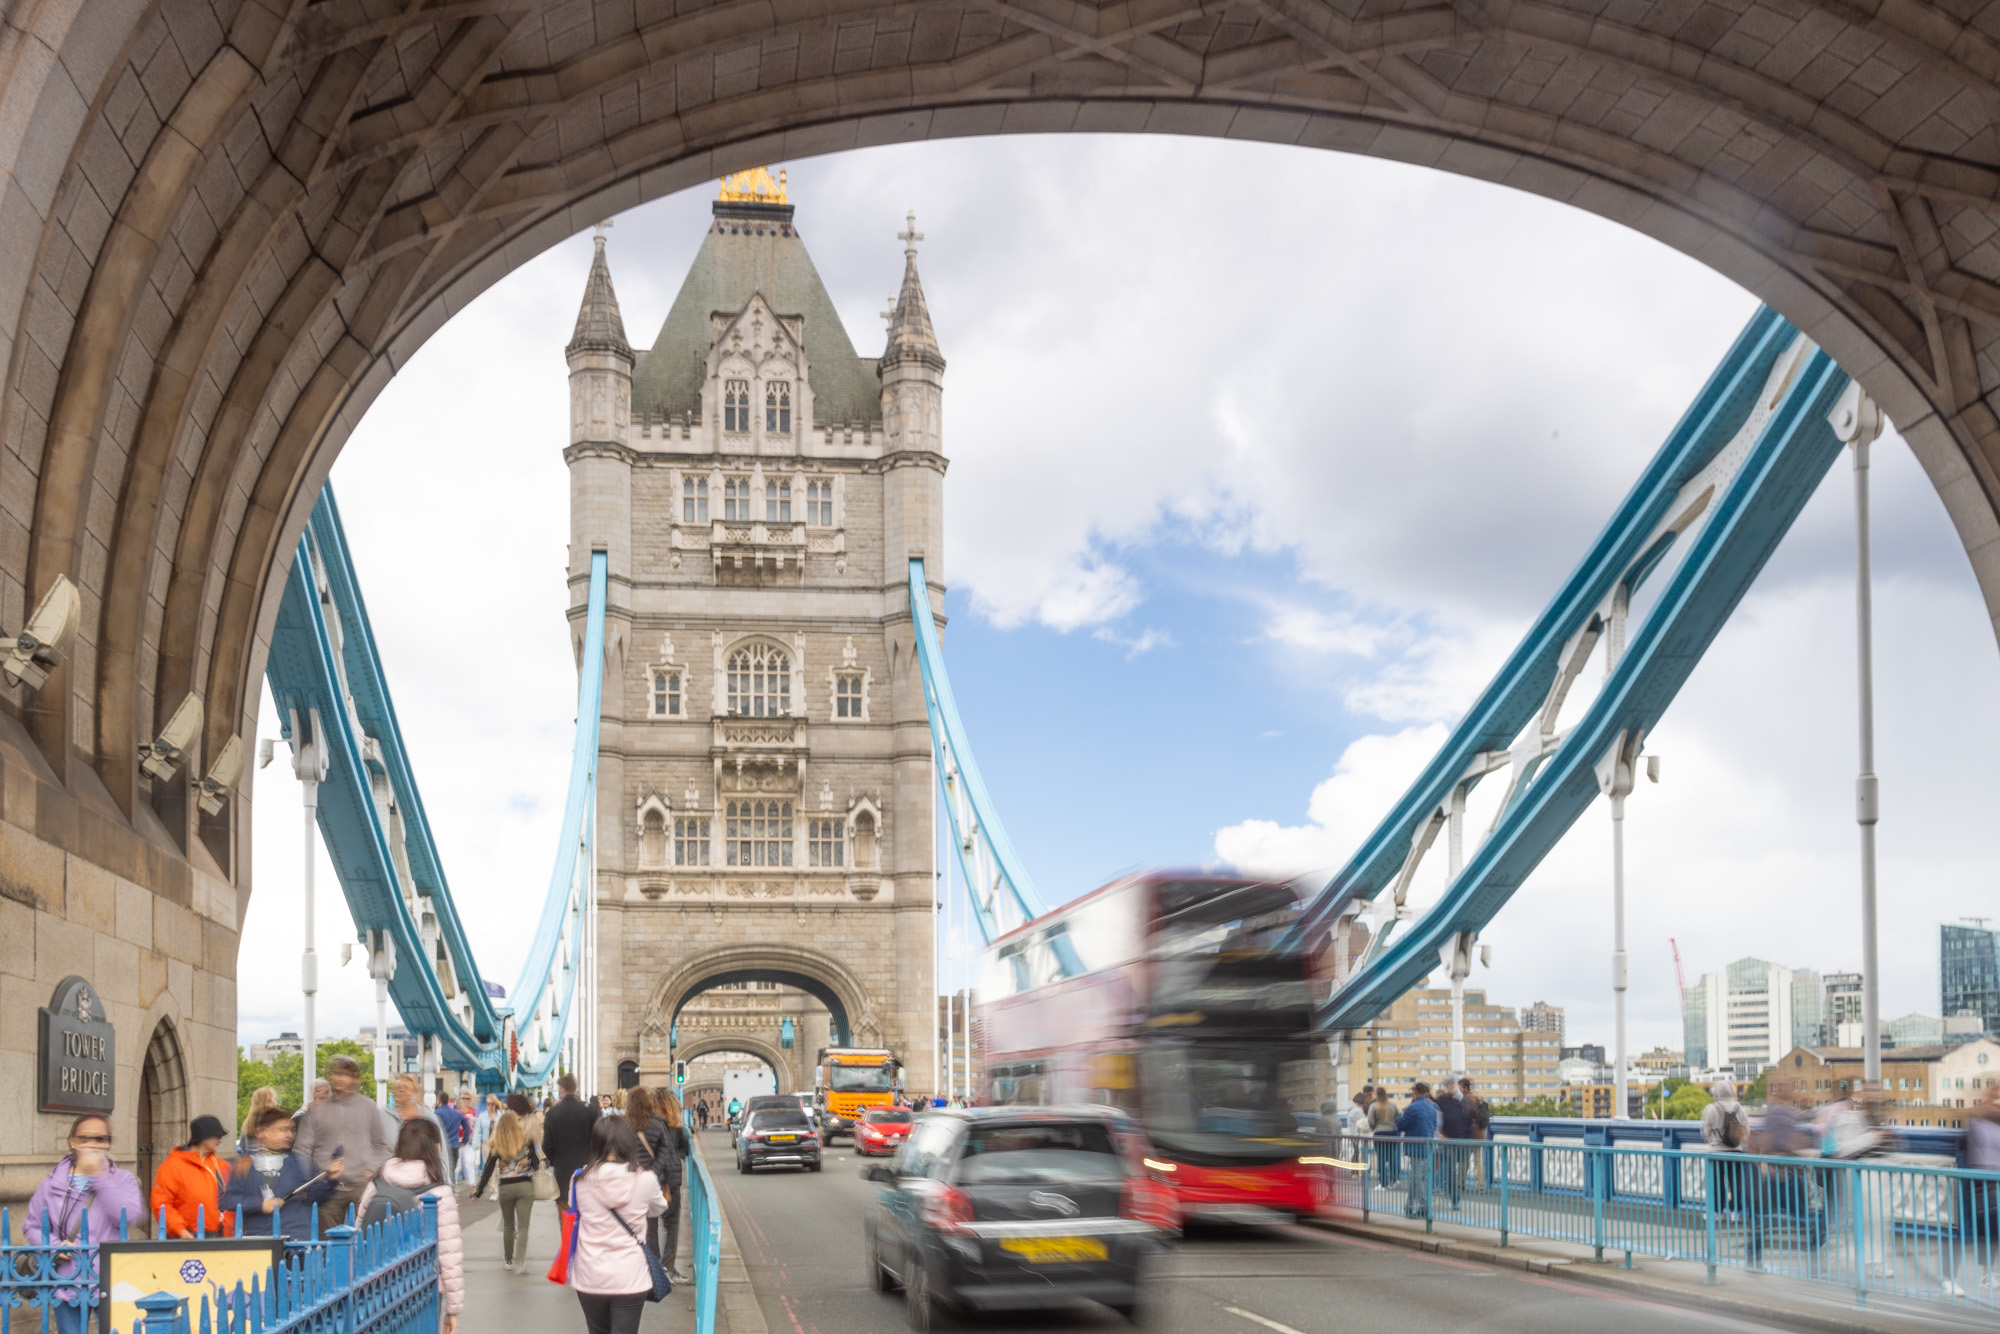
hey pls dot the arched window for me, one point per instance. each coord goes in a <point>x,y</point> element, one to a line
<point>778,407</point>
<point>759,832</point>
<point>666,694</point>
<point>736,500</point>
<point>778,502</point>
<point>864,840</point>
<point>653,844</point>
<point>760,682</point>
<point>736,405</point>
<point>819,503</point>
<point>694,500</point>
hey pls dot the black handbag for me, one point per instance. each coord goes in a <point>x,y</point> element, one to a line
<point>662,1285</point>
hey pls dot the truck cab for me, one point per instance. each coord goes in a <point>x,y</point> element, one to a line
<point>849,1080</point>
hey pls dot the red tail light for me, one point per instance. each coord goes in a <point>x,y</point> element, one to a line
<point>945,1208</point>
<point>1149,1202</point>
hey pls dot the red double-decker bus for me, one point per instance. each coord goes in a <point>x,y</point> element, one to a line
<point>1179,998</point>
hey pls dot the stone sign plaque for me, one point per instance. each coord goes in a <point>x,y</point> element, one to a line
<point>78,1051</point>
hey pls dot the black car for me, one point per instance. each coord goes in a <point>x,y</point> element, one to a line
<point>777,1137</point>
<point>763,1102</point>
<point>1013,1208</point>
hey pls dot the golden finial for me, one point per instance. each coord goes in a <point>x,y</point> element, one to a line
<point>754,187</point>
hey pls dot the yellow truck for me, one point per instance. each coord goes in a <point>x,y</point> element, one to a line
<point>848,1081</point>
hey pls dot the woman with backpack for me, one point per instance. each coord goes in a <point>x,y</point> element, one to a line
<point>416,1171</point>
<point>614,1195</point>
<point>513,1157</point>
<point>666,1142</point>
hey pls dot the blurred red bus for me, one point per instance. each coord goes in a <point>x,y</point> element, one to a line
<point>1178,998</point>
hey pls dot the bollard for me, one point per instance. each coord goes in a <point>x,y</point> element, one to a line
<point>161,1313</point>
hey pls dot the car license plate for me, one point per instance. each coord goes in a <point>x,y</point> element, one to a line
<point>1055,1250</point>
<point>784,1139</point>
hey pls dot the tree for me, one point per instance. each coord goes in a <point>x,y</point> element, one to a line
<point>1687,1103</point>
<point>1756,1093</point>
<point>285,1073</point>
<point>1544,1106</point>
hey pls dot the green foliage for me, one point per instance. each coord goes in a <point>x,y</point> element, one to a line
<point>1756,1094</point>
<point>1675,1100</point>
<point>1535,1107</point>
<point>286,1073</point>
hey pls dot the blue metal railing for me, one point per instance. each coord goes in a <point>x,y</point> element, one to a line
<point>705,1242</point>
<point>1905,1229</point>
<point>382,1279</point>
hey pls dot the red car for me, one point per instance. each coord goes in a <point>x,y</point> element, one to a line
<point>882,1129</point>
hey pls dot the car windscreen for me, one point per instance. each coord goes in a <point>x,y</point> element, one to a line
<point>766,1102</point>
<point>896,1117</point>
<point>861,1079</point>
<point>1020,1154</point>
<point>779,1119</point>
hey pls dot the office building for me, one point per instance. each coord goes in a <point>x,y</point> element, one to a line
<point>1588,1051</point>
<point>1542,1017</point>
<point>1969,972</point>
<point>1742,1019</point>
<point>1809,1008</point>
<point>1411,1040</point>
<point>1931,1086</point>
<point>285,1044</point>
<point>1842,1005</point>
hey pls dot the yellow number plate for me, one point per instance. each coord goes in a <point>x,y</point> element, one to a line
<point>784,1139</point>
<point>1055,1250</point>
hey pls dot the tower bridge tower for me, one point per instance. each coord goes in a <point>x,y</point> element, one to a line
<point>764,773</point>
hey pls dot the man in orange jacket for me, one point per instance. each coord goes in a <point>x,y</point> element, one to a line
<point>190,1181</point>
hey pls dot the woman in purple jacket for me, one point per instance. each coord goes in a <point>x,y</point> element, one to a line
<point>85,1180</point>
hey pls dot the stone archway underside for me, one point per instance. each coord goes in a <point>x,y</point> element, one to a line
<point>831,981</point>
<point>230,221</point>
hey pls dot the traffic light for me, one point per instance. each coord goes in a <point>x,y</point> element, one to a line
<point>680,1072</point>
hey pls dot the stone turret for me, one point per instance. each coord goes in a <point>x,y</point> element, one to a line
<point>600,362</point>
<point>912,368</point>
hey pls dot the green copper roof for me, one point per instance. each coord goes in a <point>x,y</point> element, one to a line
<point>753,248</point>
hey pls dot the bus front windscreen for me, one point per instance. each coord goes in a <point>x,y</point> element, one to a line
<point>861,1079</point>
<point>1218,1102</point>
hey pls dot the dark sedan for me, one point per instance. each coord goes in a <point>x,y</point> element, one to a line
<point>1013,1208</point>
<point>777,1137</point>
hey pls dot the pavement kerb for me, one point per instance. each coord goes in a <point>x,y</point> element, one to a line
<point>735,1299</point>
<point>1635,1283</point>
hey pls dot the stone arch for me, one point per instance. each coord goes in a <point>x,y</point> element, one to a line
<point>161,1108</point>
<point>770,1054</point>
<point>832,982</point>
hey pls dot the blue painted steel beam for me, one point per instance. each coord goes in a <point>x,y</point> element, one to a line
<point>1723,551</point>
<point>985,854</point>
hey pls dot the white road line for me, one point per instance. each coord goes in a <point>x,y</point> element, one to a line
<point>1265,1321</point>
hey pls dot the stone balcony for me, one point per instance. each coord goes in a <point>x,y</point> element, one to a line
<point>759,554</point>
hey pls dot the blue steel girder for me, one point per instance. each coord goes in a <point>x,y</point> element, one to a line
<point>1723,491</point>
<point>323,659</point>
<point>1001,892</point>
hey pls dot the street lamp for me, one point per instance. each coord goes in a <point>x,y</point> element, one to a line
<point>1615,776</point>
<point>309,765</point>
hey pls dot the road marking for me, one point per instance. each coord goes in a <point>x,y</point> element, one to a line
<point>1265,1321</point>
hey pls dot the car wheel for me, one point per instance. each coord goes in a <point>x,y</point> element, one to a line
<point>879,1277</point>
<point>1136,1312</point>
<point>813,1166</point>
<point>920,1303</point>
<point>743,1166</point>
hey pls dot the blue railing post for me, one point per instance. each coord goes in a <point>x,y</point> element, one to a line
<point>1857,1207</point>
<point>1590,1166</point>
<point>1500,1158</point>
<point>159,1313</point>
<point>1708,1188</point>
<point>342,1271</point>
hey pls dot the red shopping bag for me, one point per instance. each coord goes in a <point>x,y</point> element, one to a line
<point>559,1267</point>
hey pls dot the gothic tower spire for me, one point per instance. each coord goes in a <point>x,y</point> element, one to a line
<point>911,338</point>
<point>598,326</point>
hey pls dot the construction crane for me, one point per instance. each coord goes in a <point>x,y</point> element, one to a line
<point>1680,979</point>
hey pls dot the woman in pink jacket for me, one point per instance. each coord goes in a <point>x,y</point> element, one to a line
<point>418,1167</point>
<point>614,1198</point>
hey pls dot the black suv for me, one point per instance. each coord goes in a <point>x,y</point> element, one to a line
<point>763,1102</point>
<point>775,1137</point>
<point>1013,1208</point>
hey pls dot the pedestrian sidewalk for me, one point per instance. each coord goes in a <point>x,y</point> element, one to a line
<point>1791,1304</point>
<point>498,1302</point>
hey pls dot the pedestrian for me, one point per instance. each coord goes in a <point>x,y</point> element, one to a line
<point>735,1109</point>
<point>188,1185</point>
<point>451,1129</point>
<point>513,1158</point>
<point>530,1117</point>
<point>614,1198</point>
<point>274,1189</point>
<point>1859,1134</point>
<point>1725,1129</point>
<point>1481,1113</point>
<point>1454,1125</point>
<point>566,1137</point>
<point>406,1103</point>
<point>1979,1201</point>
<point>666,1143</point>
<point>701,1113</point>
<point>259,1100</point>
<point>350,1123</point>
<point>417,1168</point>
<point>472,1145</point>
<point>321,1091</point>
<point>1388,1156</point>
<point>1418,1125</point>
<point>85,1182</point>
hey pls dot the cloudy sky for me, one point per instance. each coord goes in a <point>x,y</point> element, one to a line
<point>1262,460</point>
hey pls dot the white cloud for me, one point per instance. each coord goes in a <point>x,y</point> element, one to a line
<point>1077,593</point>
<point>1134,645</point>
<point>1371,774</point>
<point>1322,632</point>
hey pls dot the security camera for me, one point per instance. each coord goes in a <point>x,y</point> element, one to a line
<point>167,752</point>
<point>221,778</point>
<point>266,748</point>
<point>1486,955</point>
<point>45,640</point>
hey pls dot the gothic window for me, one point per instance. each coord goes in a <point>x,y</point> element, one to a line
<point>847,695</point>
<point>760,682</point>
<point>778,502</point>
<point>666,694</point>
<point>653,843</point>
<point>864,839</point>
<point>736,405</point>
<point>826,842</point>
<point>690,841</point>
<point>736,500</point>
<point>694,500</point>
<point>819,503</point>
<point>778,407</point>
<point>759,832</point>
